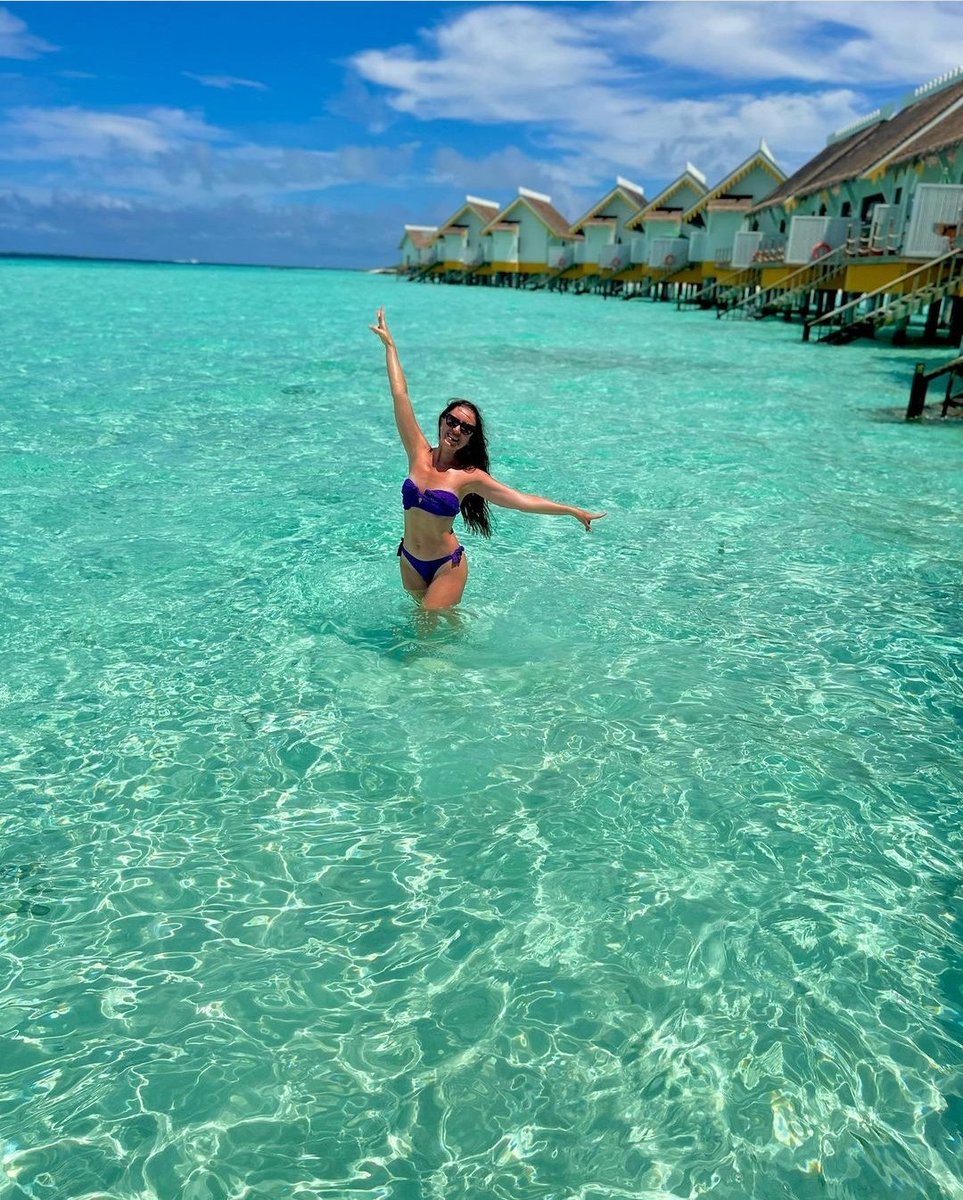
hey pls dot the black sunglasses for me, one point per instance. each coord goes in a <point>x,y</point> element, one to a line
<point>454,423</point>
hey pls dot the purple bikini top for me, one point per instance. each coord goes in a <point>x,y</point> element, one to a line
<point>438,503</point>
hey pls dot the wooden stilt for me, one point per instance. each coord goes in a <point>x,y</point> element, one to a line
<point>956,321</point>
<point>932,321</point>
<point>917,400</point>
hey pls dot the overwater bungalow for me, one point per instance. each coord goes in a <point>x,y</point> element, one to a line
<point>606,238</point>
<point>526,241</point>
<point>716,219</point>
<point>460,248</point>
<point>869,214</point>
<point>417,247</point>
<point>659,246</point>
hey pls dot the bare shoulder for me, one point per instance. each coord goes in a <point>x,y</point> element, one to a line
<point>474,479</point>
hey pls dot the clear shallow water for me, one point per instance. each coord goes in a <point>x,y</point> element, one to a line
<point>641,880</point>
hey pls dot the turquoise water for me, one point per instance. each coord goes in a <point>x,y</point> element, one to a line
<point>641,878</point>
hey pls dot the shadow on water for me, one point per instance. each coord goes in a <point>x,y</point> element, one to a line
<point>416,635</point>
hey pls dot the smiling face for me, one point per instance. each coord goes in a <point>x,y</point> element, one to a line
<point>456,426</point>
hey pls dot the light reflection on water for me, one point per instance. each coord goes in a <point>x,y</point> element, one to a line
<point>639,876</point>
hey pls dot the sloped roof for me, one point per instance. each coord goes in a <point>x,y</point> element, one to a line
<point>485,210</point>
<point>871,148</point>
<point>759,158</point>
<point>807,178</point>
<point>542,208</point>
<point>728,204</point>
<point>420,236</point>
<point>691,177</point>
<point>632,192</point>
<point>945,131</point>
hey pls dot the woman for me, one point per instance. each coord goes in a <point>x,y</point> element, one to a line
<point>442,480</point>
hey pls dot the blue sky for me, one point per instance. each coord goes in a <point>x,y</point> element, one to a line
<point>310,133</point>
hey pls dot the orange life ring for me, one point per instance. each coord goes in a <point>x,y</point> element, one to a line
<point>669,260</point>
<point>616,263</point>
<point>820,250</point>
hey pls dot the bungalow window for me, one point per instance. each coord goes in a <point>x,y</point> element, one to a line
<point>846,210</point>
<point>869,203</point>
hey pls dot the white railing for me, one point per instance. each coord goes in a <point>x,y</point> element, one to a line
<point>614,258</point>
<point>698,242</point>
<point>813,237</point>
<point>744,246</point>
<point>560,257</point>
<point>639,251</point>
<point>937,209</point>
<point>667,252</point>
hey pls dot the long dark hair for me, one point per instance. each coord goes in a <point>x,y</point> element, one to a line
<point>474,509</point>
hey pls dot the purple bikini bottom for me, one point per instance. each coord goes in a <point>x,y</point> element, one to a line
<point>427,569</point>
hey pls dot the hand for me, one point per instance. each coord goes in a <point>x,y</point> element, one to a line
<point>382,330</point>
<point>587,518</point>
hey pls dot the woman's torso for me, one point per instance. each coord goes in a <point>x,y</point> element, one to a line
<point>431,499</point>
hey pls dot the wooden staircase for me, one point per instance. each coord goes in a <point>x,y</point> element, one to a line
<point>781,297</point>
<point>924,285</point>
<point>552,278</point>
<point>664,275</point>
<point>422,272</point>
<point>727,295</point>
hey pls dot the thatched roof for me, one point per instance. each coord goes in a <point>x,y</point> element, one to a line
<point>932,118</point>
<point>946,131</point>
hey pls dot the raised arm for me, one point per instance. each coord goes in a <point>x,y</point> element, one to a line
<point>506,497</point>
<point>413,440</point>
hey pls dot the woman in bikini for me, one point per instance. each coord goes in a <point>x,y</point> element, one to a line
<point>443,480</point>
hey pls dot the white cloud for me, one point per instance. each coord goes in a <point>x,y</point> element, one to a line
<point>499,174</point>
<point>808,40</point>
<point>504,62</point>
<point>656,137</point>
<point>650,141</point>
<point>16,42</point>
<point>167,153</point>
<point>603,83</point>
<point>226,82</point>
<point>76,133</point>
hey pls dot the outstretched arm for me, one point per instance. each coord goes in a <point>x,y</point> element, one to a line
<point>506,497</point>
<point>413,440</point>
